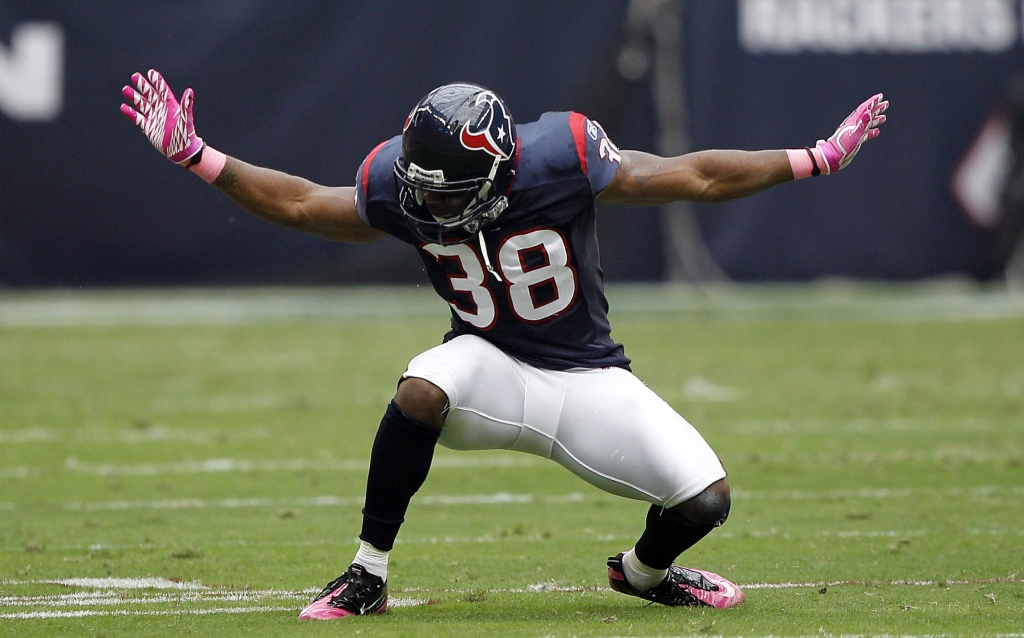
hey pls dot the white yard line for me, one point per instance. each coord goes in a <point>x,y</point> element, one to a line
<point>128,583</point>
<point>526,538</point>
<point>878,493</point>
<point>18,472</point>
<point>867,426</point>
<point>502,498</point>
<point>160,433</point>
<point>115,598</point>
<point>216,466</point>
<point>113,594</point>
<point>208,594</point>
<point>284,465</point>
<point>147,582</point>
<point>226,465</point>
<point>151,434</point>
<point>871,583</point>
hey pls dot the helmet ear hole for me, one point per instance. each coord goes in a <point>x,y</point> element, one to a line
<point>459,140</point>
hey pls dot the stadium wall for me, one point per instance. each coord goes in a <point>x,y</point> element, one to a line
<point>310,86</point>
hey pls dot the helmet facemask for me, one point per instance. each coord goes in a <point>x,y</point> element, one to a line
<point>481,206</point>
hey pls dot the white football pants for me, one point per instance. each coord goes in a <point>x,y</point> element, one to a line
<point>603,425</point>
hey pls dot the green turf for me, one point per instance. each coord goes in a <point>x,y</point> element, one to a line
<point>874,439</point>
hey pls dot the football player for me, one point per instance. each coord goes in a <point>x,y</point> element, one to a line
<point>503,217</point>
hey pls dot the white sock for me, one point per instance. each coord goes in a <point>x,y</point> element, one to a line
<point>639,575</point>
<point>374,560</point>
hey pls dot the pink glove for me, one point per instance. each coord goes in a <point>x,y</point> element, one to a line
<point>168,125</point>
<point>840,149</point>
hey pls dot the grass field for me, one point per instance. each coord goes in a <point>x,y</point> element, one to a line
<point>193,462</point>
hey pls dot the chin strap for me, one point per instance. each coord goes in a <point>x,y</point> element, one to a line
<point>487,260</point>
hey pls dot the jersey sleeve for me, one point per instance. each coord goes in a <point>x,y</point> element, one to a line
<point>376,193</point>
<point>598,155</point>
<point>363,183</point>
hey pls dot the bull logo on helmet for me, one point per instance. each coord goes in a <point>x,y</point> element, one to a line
<point>493,133</point>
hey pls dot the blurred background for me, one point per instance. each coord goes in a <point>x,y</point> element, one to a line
<point>310,86</point>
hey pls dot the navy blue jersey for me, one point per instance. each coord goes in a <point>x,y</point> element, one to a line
<point>548,308</point>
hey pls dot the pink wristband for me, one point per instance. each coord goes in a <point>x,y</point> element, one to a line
<point>802,163</point>
<point>210,166</point>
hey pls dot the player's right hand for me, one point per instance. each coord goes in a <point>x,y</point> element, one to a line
<point>167,124</point>
<point>862,125</point>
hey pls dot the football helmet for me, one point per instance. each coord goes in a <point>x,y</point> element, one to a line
<point>457,164</point>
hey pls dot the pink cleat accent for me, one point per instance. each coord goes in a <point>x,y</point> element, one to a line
<point>354,593</point>
<point>322,610</point>
<point>682,587</point>
<point>728,594</point>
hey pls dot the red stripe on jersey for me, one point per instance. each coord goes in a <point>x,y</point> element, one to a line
<point>578,125</point>
<point>366,169</point>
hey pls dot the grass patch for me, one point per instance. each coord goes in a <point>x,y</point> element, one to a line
<point>207,477</point>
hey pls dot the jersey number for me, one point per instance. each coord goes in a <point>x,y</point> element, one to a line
<point>535,266</point>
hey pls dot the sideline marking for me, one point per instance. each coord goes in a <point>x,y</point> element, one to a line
<point>242,306</point>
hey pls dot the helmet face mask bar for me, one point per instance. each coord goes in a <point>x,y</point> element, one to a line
<point>458,147</point>
<point>478,210</point>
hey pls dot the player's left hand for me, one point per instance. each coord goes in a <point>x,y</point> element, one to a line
<point>862,125</point>
<point>167,124</point>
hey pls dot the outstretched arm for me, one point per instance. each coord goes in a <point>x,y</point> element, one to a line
<point>294,202</point>
<point>717,176</point>
<point>271,195</point>
<point>706,176</point>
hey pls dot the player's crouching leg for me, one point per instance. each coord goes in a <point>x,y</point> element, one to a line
<point>399,463</point>
<point>646,571</point>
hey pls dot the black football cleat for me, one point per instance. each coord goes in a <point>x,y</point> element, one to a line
<point>354,593</point>
<point>682,587</point>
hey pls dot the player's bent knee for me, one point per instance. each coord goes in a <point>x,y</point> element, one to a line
<point>422,400</point>
<point>709,508</point>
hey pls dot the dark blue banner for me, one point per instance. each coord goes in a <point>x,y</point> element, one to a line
<point>310,86</point>
<point>778,73</point>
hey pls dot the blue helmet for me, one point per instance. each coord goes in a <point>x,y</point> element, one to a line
<point>459,140</point>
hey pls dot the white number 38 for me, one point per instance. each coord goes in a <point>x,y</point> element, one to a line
<point>541,283</point>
